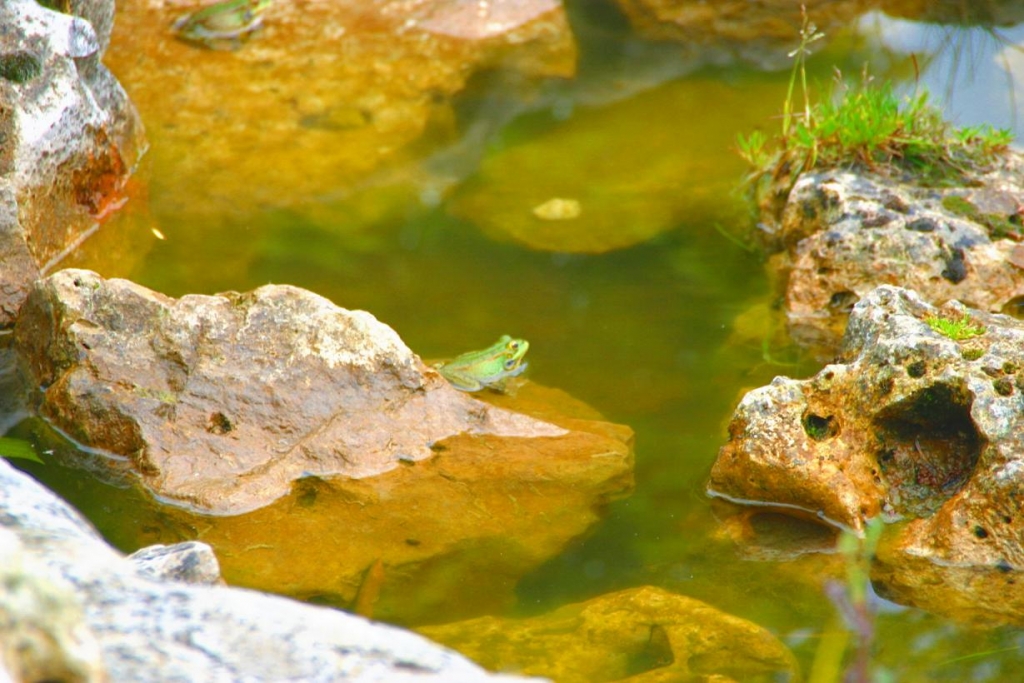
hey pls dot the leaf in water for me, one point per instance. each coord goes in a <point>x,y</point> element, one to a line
<point>16,448</point>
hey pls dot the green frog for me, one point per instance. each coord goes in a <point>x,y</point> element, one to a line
<point>489,367</point>
<point>222,25</point>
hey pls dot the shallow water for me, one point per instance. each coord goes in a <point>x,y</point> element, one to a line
<point>664,335</point>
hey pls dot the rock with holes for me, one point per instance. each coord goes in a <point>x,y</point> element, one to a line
<point>68,137</point>
<point>840,234</point>
<point>922,419</point>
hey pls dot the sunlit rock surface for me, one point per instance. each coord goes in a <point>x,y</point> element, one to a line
<point>224,404</point>
<point>840,234</point>
<point>126,626</point>
<point>911,424</point>
<point>221,402</point>
<point>322,96</point>
<point>639,634</point>
<point>450,535</point>
<point>69,138</point>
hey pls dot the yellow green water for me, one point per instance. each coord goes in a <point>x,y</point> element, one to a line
<point>663,335</point>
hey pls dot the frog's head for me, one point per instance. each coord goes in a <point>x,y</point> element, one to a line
<point>513,352</point>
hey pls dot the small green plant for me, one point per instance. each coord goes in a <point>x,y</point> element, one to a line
<point>957,330</point>
<point>852,600</point>
<point>972,353</point>
<point>866,125</point>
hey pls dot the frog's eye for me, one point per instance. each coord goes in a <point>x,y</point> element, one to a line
<point>513,346</point>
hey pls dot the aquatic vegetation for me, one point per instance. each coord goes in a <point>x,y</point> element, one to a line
<point>957,330</point>
<point>867,125</point>
<point>852,600</point>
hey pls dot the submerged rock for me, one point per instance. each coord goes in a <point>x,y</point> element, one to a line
<point>226,404</point>
<point>191,562</point>
<point>70,137</point>
<point>221,402</point>
<point>639,634</point>
<point>761,33</point>
<point>840,234</point>
<point>645,176</point>
<point>114,622</point>
<point>911,424</point>
<point>239,132</point>
<point>451,535</point>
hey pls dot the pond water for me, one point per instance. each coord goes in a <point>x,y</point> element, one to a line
<point>663,333</point>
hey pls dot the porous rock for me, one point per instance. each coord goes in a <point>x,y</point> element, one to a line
<point>910,423</point>
<point>841,233</point>
<point>140,629</point>
<point>69,138</point>
<point>221,402</point>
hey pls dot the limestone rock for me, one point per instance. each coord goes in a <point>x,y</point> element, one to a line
<point>43,632</point>
<point>319,423</point>
<point>70,138</point>
<point>189,562</point>
<point>154,631</point>
<point>911,424</point>
<point>221,402</point>
<point>841,234</point>
<point>980,596</point>
<point>638,635</point>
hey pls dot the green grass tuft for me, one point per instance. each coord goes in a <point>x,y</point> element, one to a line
<point>957,330</point>
<point>867,125</point>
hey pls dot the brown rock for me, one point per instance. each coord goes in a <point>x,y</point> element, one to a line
<point>639,635</point>
<point>913,425</point>
<point>278,403</point>
<point>220,402</point>
<point>452,534</point>
<point>980,596</point>
<point>763,32</point>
